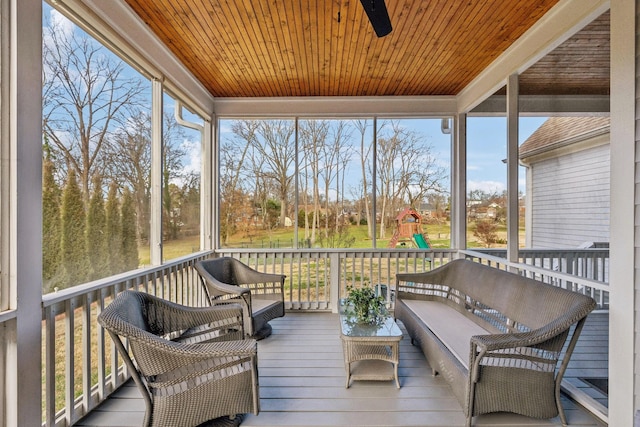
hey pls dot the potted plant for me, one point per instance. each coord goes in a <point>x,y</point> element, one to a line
<point>364,305</point>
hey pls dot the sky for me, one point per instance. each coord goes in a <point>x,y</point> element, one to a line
<point>487,147</point>
<point>486,138</point>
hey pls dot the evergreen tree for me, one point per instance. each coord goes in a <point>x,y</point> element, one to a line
<point>51,268</point>
<point>97,233</point>
<point>113,230</point>
<point>73,246</point>
<point>169,226</point>
<point>129,244</point>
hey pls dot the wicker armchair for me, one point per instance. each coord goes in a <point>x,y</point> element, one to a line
<point>228,280</point>
<point>191,364</point>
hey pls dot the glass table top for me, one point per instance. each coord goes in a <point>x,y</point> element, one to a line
<point>384,326</point>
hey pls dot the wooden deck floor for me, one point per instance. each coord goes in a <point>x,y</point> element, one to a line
<point>302,383</point>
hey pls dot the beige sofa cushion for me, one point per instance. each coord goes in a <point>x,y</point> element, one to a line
<point>451,327</point>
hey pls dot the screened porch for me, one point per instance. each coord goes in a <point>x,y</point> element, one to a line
<point>268,132</point>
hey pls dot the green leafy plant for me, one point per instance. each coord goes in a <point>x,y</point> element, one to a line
<point>364,305</point>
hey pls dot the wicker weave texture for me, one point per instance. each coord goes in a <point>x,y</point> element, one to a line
<point>368,349</point>
<point>190,364</point>
<point>517,370</point>
<point>371,350</point>
<point>226,280</point>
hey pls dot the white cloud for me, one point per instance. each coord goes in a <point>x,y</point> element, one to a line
<point>486,186</point>
<point>60,24</point>
<point>61,29</point>
<point>192,160</point>
<point>193,156</point>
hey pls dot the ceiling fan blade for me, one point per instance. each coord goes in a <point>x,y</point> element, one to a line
<point>378,16</point>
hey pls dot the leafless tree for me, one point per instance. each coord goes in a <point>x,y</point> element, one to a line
<point>132,148</point>
<point>407,170</point>
<point>420,173</point>
<point>365,159</point>
<point>389,151</point>
<point>233,159</point>
<point>313,136</point>
<point>86,95</point>
<point>335,154</point>
<point>129,155</point>
<point>276,147</point>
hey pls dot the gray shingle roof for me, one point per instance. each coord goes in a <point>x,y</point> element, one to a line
<point>557,131</point>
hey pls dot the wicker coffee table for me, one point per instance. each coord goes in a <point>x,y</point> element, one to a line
<point>371,352</point>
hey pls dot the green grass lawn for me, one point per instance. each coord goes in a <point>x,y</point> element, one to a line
<point>171,249</point>
<point>284,237</point>
<point>439,234</point>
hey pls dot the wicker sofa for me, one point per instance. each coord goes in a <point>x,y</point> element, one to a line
<point>496,337</point>
<point>227,280</point>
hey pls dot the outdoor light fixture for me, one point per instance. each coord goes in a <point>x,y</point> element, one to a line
<point>378,16</point>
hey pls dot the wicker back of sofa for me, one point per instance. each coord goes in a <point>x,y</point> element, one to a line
<point>514,367</point>
<point>506,300</point>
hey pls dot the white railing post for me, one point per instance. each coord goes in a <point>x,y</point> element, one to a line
<point>334,276</point>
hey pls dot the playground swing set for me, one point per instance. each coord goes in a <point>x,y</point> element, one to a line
<point>409,230</point>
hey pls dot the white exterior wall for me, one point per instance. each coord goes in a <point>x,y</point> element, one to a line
<point>570,199</point>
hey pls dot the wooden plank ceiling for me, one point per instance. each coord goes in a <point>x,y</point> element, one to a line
<point>269,48</point>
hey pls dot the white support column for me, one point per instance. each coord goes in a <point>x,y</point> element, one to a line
<point>296,185</point>
<point>623,323</point>
<point>155,232</point>
<point>206,187</point>
<point>374,181</point>
<point>23,367</point>
<point>215,176</point>
<point>512,168</point>
<point>459,183</point>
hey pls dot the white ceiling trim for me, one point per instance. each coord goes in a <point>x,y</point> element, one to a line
<point>332,106</point>
<point>546,105</point>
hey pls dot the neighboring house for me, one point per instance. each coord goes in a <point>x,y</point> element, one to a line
<point>568,185</point>
<point>476,210</point>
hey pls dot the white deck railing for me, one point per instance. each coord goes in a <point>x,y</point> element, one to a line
<point>317,278</point>
<point>581,270</point>
<point>79,358</point>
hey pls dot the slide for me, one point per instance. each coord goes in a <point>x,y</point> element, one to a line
<point>419,239</point>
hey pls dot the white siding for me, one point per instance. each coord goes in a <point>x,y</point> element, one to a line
<point>570,202</point>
